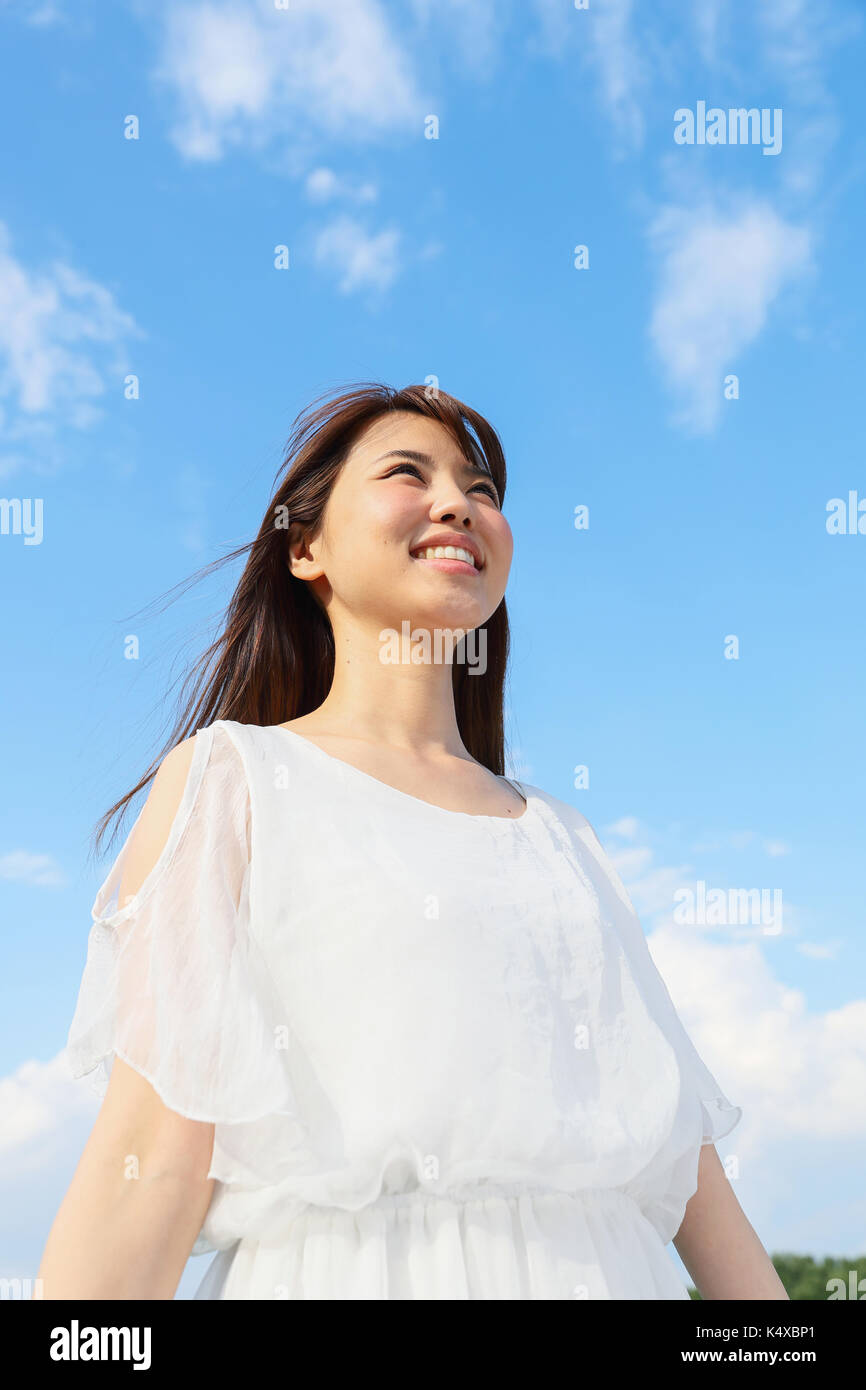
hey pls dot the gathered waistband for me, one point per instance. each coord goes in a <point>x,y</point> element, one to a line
<point>486,1192</point>
<point>278,1221</point>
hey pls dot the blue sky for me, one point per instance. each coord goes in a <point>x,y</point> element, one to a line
<point>453,258</point>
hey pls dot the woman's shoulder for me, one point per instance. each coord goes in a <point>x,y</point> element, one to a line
<point>198,790</point>
<point>236,730</point>
<point>247,746</point>
<point>563,810</point>
<point>578,826</point>
<point>200,773</point>
<point>221,736</point>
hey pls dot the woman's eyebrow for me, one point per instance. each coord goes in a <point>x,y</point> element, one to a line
<point>418,457</point>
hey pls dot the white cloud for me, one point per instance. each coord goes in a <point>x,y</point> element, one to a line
<point>21,866</point>
<point>815,950</point>
<point>36,1102</point>
<point>476,32</point>
<point>651,890</point>
<point>47,1118</point>
<point>557,24</point>
<point>732,839</point>
<point>190,492</point>
<point>61,347</point>
<point>626,828</point>
<point>472,28</point>
<point>621,70</point>
<point>707,18</point>
<point>322,185</point>
<point>720,273</point>
<point>797,38</point>
<point>652,887</point>
<point>740,839</point>
<point>39,13</point>
<point>795,1073</point>
<point>798,1074</point>
<point>719,276</point>
<point>709,307</point>
<point>629,863</point>
<point>776,848</point>
<point>791,31</point>
<point>45,14</point>
<point>640,50</point>
<point>252,74</point>
<point>361,260</point>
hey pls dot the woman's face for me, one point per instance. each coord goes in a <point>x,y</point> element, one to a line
<point>406,485</point>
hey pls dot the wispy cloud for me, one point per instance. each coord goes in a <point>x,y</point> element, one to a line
<point>21,866</point>
<point>473,29</point>
<point>322,185</point>
<point>719,275</point>
<point>39,13</point>
<point>643,54</point>
<point>625,829</point>
<point>631,863</point>
<point>651,889</point>
<point>62,339</point>
<point>797,38</point>
<point>741,839</point>
<point>776,848</point>
<point>707,19</point>
<point>251,75</point>
<point>720,272</point>
<point>656,888</point>
<point>818,950</point>
<point>620,66</point>
<point>361,260</point>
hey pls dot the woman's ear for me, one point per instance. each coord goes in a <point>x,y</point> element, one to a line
<point>300,558</point>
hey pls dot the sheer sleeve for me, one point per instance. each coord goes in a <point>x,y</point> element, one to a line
<point>173,982</point>
<point>718,1115</point>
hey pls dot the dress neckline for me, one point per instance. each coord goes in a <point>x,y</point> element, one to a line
<point>528,809</point>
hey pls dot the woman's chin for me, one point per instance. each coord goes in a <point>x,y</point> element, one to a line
<point>441,618</point>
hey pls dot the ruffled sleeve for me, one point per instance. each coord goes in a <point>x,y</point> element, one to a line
<point>704,1114</point>
<point>173,982</point>
<point>700,1087</point>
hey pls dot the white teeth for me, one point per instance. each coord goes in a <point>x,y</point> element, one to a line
<point>447,552</point>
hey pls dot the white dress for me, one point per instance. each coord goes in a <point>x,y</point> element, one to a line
<point>438,1057</point>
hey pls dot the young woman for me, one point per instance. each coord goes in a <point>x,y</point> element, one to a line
<point>370,1019</point>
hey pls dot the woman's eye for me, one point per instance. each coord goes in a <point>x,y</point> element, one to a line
<point>403,468</point>
<point>411,468</point>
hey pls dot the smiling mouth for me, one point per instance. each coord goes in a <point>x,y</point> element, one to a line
<point>453,559</point>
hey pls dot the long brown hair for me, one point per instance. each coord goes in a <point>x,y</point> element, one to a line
<point>273,661</point>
